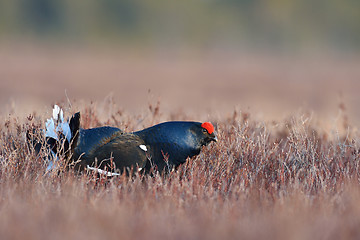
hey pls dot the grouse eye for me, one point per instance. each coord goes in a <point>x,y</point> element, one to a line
<point>204,130</point>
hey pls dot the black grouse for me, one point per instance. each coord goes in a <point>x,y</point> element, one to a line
<point>106,149</point>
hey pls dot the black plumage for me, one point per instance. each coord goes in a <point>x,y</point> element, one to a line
<point>171,143</point>
<point>106,148</point>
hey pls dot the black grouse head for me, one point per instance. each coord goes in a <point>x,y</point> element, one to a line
<point>204,133</point>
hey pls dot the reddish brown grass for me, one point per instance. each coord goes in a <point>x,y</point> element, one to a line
<point>287,180</point>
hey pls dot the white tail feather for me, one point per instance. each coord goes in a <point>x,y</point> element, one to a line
<point>64,127</point>
<point>53,128</point>
<point>50,129</point>
<point>57,125</point>
<point>52,160</point>
<point>56,111</point>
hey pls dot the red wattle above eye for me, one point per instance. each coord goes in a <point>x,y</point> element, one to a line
<point>208,126</point>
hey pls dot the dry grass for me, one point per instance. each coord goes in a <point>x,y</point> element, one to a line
<point>286,180</point>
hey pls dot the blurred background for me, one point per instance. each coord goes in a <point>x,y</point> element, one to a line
<point>205,57</point>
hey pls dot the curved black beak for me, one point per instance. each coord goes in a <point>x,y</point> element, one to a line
<point>213,137</point>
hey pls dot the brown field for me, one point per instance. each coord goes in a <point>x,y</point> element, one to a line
<point>271,86</point>
<point>286,165</point>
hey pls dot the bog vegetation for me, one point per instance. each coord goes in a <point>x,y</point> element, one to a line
<point>261,180</point>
